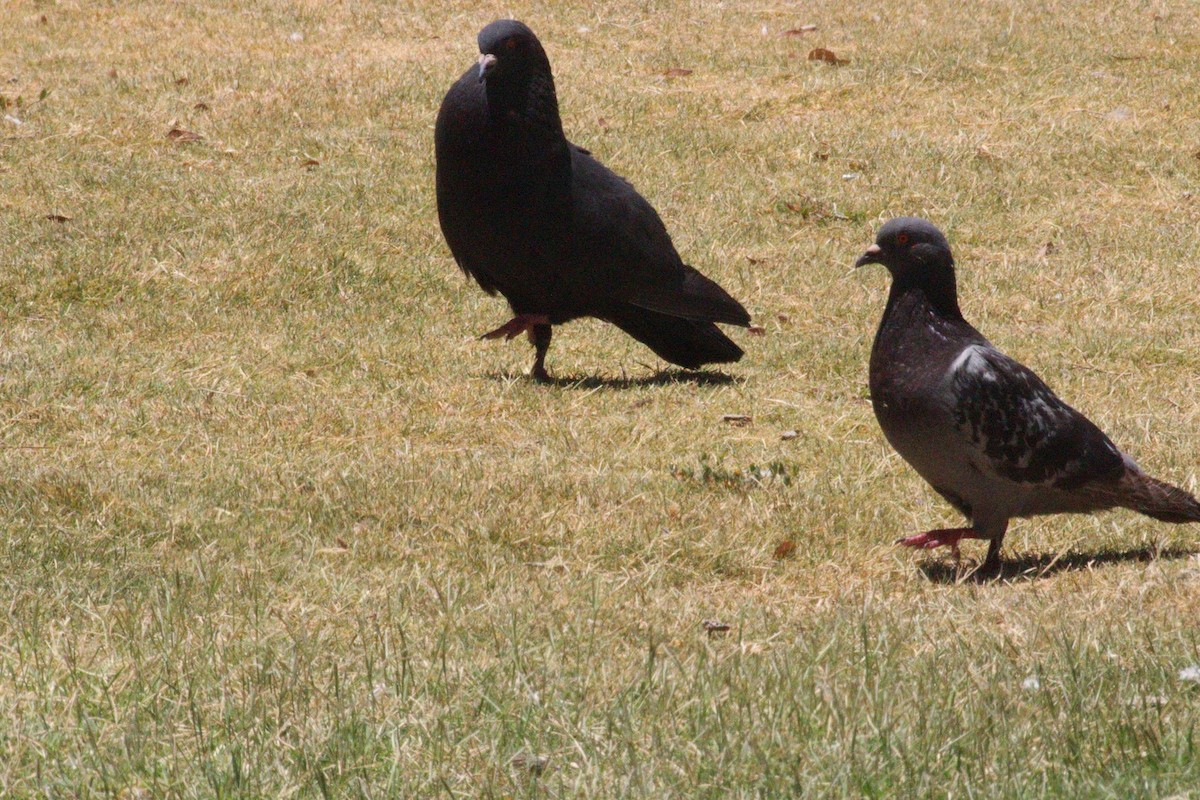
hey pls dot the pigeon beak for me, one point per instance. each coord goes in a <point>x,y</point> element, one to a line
<point>487,63</point>
<point>869,256</point>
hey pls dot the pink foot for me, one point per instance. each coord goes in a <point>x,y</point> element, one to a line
<point>938,538</point>
<point>521,323</point>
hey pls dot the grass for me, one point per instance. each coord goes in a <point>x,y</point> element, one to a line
<point>275,524</point>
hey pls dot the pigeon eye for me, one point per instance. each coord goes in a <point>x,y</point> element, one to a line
<point>902,238</point>
<point>510,44</point>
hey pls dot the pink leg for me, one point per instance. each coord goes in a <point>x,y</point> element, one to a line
<point>944,536</point>
<point>521,323</point>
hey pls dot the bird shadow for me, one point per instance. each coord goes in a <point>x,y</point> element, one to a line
<point>663,377</point>
<point>1038,566</point>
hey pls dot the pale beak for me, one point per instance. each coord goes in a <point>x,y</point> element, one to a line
<point>487,62</point>
<point>869,256</point>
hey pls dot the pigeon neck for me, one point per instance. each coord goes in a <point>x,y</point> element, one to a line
<point>934,287</point>
<point>528,99</point>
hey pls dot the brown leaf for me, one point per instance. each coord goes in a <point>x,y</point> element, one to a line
<point>58,218</point>
<point>529,761</point>
<point>310,163</point>
<point>784,549</point>
<point>803,29</point>
<point>182,81</point>
<point>808,208</point>
<point>677,72</point>
<point>783,317</point>
<point>1046,249</point>
<point>754,260</point>
<point>180,135</point>
<point>201,106</point>
<point>712,626</point>
<point>828,56</point>
<point>602,123</point>
<point>739,420</point>
<point>756,330</point>
<point>112,73</point>
<point>341,543</point>
<point>786,435</point>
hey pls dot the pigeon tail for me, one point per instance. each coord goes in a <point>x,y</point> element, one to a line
<point>687,343</point>
<point>1159,499</point>
<point>695,297</point>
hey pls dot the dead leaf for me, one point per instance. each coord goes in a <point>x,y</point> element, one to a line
<point>182,81</point>
<point>754,260</point>
<point>826,55</point>
<point>756,330</point>
<point>808,208</point>
<point>1046,249</point>
<point>783,318</point>
<point>803,29</point>
<point>786,435</point>
<point>181,135</point>
<point>201,106</point>
<point>712,626</point>
<point>310,163</point>
<point>58,218</point>
<point>784,549</point>
<point>740,420</point>
<point>677,72</point>
<point>112,73</point>
<point>43,19</point>
<point>528,761</point>
<point>341,543</point>
<point>602,123</point>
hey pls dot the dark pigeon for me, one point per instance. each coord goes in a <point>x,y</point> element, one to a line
<point>537,219</point>
<point>988,434</point>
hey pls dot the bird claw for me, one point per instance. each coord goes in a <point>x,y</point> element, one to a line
<point>521,323</point>
<point>931,539</point>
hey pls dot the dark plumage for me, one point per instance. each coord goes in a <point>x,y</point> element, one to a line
<point>983,430</point>
<point>537,219</point>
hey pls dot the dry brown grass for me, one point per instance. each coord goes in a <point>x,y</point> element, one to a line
<point>277,524</point>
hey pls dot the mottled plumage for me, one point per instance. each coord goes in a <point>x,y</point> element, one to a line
<point>537,219</point>
<point>986,432</point>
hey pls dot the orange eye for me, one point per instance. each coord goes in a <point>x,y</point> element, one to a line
<point>511,44</point>
<point>902,238</point>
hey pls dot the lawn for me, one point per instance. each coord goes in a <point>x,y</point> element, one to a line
<point>276,524</point>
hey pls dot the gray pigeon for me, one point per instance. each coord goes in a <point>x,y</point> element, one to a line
<point>537,219</point>
<point>984,431</point>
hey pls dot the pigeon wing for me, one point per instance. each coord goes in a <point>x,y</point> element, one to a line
<point>1020,430</point>
<point>632,255</point>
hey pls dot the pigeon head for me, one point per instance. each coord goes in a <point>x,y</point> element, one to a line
<point>509,52</point>
<point>918,256</point>
<point>909,246</point>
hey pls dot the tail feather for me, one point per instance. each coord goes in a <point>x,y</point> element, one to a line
<point>695,297</point>
<point>1159,499</point>
<point>688,343</point>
